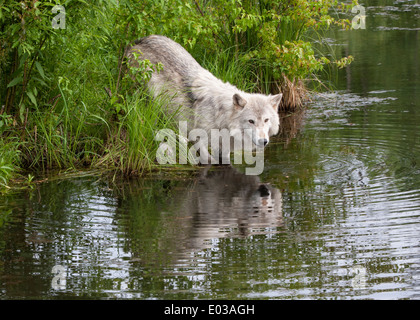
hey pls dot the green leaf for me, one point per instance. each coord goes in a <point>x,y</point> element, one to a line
<point>32,97</point>
<point>40,69</point>
<point>40,81</point>
<point>22,112</point>
<point>15,81</point>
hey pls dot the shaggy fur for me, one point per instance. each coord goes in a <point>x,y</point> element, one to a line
<point>203,100</point>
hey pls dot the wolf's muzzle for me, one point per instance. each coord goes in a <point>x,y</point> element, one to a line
<point>262,142</point>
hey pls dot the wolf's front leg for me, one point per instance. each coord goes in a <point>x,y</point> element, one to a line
<point>220,155</point>
<point>204,157</point>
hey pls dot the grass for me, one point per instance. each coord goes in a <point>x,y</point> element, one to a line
<point>9,155</point>
<point>72,139</point>
<point>131,145</point>
<point>224,66</point>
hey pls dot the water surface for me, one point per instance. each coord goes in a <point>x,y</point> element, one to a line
<point>335,215</point>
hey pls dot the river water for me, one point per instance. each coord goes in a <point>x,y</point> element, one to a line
<point>334,215</point>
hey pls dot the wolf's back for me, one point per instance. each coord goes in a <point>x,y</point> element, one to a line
<point>174,58</point>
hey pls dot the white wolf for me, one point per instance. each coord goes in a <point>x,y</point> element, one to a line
<point>201,99</point>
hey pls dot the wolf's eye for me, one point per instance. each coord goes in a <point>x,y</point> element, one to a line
<point>251,121</point>
<point>266,120</point>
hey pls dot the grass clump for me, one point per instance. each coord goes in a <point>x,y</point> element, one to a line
<point>9,154</point>
<point>131,146</point>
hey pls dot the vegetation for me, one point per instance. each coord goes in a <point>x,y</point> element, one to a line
<point>67,102</point>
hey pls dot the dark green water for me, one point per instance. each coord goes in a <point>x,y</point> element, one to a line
<point>335,215</point>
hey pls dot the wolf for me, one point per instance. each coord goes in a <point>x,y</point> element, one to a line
<point>203,100</point>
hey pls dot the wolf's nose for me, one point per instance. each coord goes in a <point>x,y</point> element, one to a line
<point>263,142</point>
<point>264,192</point>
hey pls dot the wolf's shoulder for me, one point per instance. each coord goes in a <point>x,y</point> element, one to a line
<point>152,38</point>
<point>156,40</point>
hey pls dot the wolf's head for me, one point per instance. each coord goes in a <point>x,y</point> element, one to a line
<point>259,114</point>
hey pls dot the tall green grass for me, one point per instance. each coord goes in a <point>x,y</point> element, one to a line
<point>9,160</point>
<point>131,146</point>
<point>224,66</point>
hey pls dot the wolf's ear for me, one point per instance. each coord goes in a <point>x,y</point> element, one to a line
<point>275,101</point>
<point>238,102</point>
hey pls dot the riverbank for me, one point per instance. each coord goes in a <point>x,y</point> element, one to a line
<point>67,102</point>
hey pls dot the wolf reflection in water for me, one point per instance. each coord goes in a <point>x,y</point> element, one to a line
<point>226,203</point>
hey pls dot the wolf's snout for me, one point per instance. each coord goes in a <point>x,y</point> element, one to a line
<point>264,191</point>
<point>262,142</point>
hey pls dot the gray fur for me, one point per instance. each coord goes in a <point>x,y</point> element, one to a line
<point>203,100</point>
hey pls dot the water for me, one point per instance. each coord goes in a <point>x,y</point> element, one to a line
<point>335,215</point>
